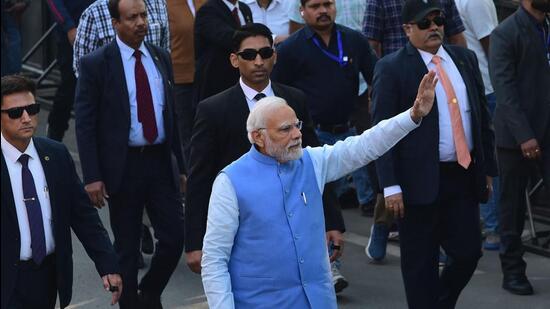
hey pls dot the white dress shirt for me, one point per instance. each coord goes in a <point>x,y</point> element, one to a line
<point>275,16</point>
<point>231,6</point>
<point>191,5</point>
<point>329,163</point>
<point>11,156</point>
<point>480,19</point>
<point>154,77</point>
<point>250,93</point>
<point>447,150</point>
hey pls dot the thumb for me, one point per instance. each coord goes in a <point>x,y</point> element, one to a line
<point>105,283</point>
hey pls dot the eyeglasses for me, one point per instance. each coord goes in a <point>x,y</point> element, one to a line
<point>250,54</point>
<point>425,23</point>
<point>286,129</point>
<point>17,112</point>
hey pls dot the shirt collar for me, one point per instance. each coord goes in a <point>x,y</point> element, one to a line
<point>256,1</point>
<point>230,5</point>
<point>427,57</point>
<point>250,93</point>
<point>127,52</point>
<point>12,154</point>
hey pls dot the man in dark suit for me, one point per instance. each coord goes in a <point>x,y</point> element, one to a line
<point>130,149</point>
<point>215,23</point>
<point>42,199</point>
<point>220,136</point>
<point>520,47</point>
<point>436,176</point>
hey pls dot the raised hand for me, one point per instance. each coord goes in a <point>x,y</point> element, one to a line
<point>425,97</point>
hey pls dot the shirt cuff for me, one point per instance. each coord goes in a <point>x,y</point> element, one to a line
<point>391,190</point>
<point>405,121</point>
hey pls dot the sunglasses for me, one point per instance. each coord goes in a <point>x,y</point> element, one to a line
<point>250,54</point>
<point>425,23</point>
<point>17,112</point>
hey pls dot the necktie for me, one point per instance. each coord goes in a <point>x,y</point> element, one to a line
<point>235,14</point>
<point>145,110</point>
<point>34,212</point>
<point>259,96</point>
<point>462,152</point>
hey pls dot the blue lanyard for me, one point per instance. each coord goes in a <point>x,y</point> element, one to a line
<point>341,59</point>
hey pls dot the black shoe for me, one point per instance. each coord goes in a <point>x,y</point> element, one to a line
<point>517,284</point>
<point>147,245</point>
<point>148,301</point>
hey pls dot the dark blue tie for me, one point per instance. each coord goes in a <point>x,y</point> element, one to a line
<point>34,212</point>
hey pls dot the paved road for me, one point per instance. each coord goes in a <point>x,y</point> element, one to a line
<point>376,286</point>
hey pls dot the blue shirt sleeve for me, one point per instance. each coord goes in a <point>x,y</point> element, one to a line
<point>373,21</point>
<point>454,23</point>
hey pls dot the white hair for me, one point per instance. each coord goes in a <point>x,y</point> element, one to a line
<point>259,113</point>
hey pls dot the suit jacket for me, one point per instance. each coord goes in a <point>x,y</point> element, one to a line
<point>219,138</point>
<point>520,74</point>
<point>102,112</point>
<point>71,208</point>
<point>414,162</point>
<point>214,29</point>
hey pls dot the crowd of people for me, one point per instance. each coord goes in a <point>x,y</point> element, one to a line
<point>237,131</point>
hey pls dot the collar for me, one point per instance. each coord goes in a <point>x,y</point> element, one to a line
<point>250,93</point>
<point>12,154</point>
<point>309,33</point>
<point>427,57</point>
<point>127,52</point>
<point>256,1</point>
<point>230,5</point>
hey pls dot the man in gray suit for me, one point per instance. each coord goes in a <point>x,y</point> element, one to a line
<point>520,48</point>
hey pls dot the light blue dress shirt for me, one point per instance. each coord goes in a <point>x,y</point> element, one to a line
<point>136,137</point>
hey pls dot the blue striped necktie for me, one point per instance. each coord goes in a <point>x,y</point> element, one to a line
<point>34,212</point>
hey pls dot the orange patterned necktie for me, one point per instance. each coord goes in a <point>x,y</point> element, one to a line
<point>462,152</point>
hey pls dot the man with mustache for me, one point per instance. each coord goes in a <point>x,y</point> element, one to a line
<point>265,242</point>
<point>434,179</point>
<point>219,135</point>
<point>520,47</point>
<point>324,59</point>
<point>130,150</point>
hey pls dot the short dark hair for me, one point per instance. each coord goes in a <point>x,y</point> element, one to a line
<point>303,2</point>
<point>17,83</point>
<point>251,30</point>
<point>113,8</point>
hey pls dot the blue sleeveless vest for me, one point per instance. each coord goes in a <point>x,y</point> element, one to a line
<point>279,258</point>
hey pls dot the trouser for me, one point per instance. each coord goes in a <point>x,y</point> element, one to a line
<point>451,222</point>
<point>58,119</point>
<point>148,182</point>
<point>35,286</point>
<point>11,44</point>
<point>515,171</point>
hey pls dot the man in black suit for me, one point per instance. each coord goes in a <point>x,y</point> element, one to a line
<point>520,47</point>
<point>220,136</point>
<point>435,177</point>
<point>130,150</point>
<point>215,23</point>
<point>42,199</point>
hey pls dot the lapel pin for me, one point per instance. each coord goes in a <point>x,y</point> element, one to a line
<point>47,158</point>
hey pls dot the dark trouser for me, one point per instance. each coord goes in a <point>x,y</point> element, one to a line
<point>147,182</point>
<point>35,286</point>
<point>184,110</point>
<point>451,222</point>
<point>514,173</point>
<point>58,119</point>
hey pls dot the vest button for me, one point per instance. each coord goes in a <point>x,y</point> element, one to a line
<point>290,215</point>
<point>302,261</point>
<point>296,237</point>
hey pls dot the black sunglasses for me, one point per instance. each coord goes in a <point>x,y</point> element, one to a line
<point>425,23</point>
<point>17,112</point>
<point>250,54</point>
